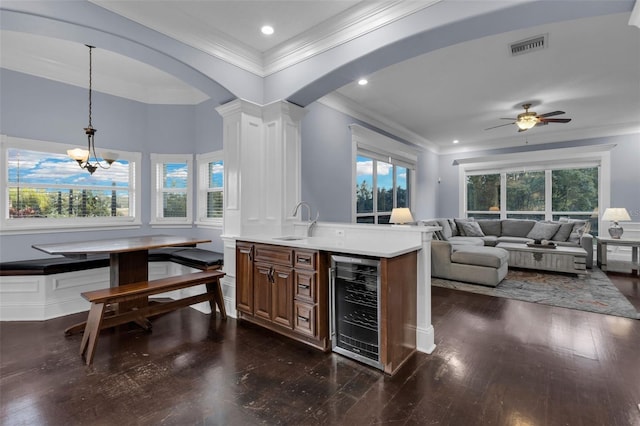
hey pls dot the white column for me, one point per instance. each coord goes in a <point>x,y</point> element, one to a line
<point>425,338</point>
<point>261,175</point>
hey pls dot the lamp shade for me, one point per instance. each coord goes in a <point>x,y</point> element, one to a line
<point>78,154</point>
<point>616,214</point>
<point>401,215</point>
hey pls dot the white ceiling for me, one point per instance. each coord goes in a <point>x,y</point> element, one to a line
<point>590,70</point>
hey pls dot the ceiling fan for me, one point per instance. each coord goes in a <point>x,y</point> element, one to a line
<point>527,120</point>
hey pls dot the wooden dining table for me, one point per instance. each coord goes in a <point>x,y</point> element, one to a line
<point>129,260</point>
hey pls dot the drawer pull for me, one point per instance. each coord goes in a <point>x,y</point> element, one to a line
<point>303,286</point>
<point>304,260</point>
<point>301,318</point>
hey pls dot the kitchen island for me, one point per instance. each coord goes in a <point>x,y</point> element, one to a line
<point>281,282</point>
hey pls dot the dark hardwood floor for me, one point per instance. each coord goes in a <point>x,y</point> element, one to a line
<point>497,362</point>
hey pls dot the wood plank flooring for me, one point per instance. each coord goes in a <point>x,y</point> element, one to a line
<point>497,362</point>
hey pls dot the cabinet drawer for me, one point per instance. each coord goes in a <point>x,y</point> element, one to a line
<point>305,319</point>
<point>305,286</point>
<point>305,259</point>
<point>273,254</point>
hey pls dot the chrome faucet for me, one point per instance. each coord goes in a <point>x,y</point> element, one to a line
<point>310,224</point>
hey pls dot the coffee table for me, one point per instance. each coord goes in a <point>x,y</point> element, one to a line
<point>560,259</point>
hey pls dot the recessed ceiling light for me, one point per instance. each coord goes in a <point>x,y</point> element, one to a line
<point>363,81</point>
<point>456,141</point>
<point>267,30</point>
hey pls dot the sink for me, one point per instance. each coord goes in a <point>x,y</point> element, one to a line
<point>289,238</point>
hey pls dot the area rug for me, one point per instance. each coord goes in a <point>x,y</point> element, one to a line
<point>595,293</point>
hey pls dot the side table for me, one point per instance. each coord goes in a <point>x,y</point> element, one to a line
<point>603,242</point>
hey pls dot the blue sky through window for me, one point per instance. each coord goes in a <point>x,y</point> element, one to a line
<point>46,168</point>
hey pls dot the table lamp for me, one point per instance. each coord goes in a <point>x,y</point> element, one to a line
<point>616,215</point>
<point>401,216</point>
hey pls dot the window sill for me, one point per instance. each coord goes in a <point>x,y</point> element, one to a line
<point>170,225</point>
<point>208,225</point>
<point>49,229</point>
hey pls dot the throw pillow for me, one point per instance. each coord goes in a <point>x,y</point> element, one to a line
<point>454,227</point>
<point>459,222</point>
<point>472,229</point>
<point>446,228</point>
<point>563,232</point>
<point>580,227</point>
<point>543,231</point>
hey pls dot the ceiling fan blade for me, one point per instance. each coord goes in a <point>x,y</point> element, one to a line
<point>555,120</point>
<point>501,125</point>
<point>550,114</point>
<point>512,119</point>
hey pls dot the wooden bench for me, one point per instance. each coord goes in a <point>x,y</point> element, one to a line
<point>136,292</point>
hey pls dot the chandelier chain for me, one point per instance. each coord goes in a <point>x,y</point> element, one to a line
<point>90,80</point>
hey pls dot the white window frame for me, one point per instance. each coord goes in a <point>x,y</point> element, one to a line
<point>546,160</point>
<point>202,164</point>
<point>157,191</point>
<point>372,144</point>
<point>44,225</point>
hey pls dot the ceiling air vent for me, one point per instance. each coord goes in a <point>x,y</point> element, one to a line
<point>529,45</point>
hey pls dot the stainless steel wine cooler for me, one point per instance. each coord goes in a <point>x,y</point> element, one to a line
<point>355,308</point>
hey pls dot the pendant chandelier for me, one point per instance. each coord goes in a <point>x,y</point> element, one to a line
<point>83,156</point>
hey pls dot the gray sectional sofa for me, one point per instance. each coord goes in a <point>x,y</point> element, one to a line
<point>464,250</point>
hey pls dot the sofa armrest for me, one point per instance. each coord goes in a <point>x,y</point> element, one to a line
<point>586,242</point>
<point>440,257</point>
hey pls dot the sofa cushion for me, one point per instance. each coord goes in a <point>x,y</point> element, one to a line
<point>459,222</point>
<point>516,227</point>
<point>492,257</point>
<point>543,231</point>
<point>490,240</point>
<point>471,241</point>
<point>563,232</point>
<point>490,226</point>
<point>520,240</point>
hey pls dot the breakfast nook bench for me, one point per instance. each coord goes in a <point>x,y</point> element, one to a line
<point>135,295</point>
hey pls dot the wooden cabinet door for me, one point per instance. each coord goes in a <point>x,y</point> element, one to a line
<point>262,290</point>
<point>282,298</point>
<point>244,278</point>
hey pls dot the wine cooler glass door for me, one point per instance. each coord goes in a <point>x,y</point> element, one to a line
<point>355,303</point>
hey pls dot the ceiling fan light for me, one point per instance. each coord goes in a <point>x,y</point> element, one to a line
<point>527,122</point>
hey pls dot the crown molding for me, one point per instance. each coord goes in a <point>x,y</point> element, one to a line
<point>347,106</point>
<point>351,24</point>
<point>344,27</point>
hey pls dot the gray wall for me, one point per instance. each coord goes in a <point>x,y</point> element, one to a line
<point>625,172</point>
<point>41,109</point>
<point>327,166</point>
<point>45,110</point>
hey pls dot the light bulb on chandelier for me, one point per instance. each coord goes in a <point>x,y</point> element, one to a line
<point>83,156</point>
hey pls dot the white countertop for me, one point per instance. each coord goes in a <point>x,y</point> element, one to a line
<point>363,246</point>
